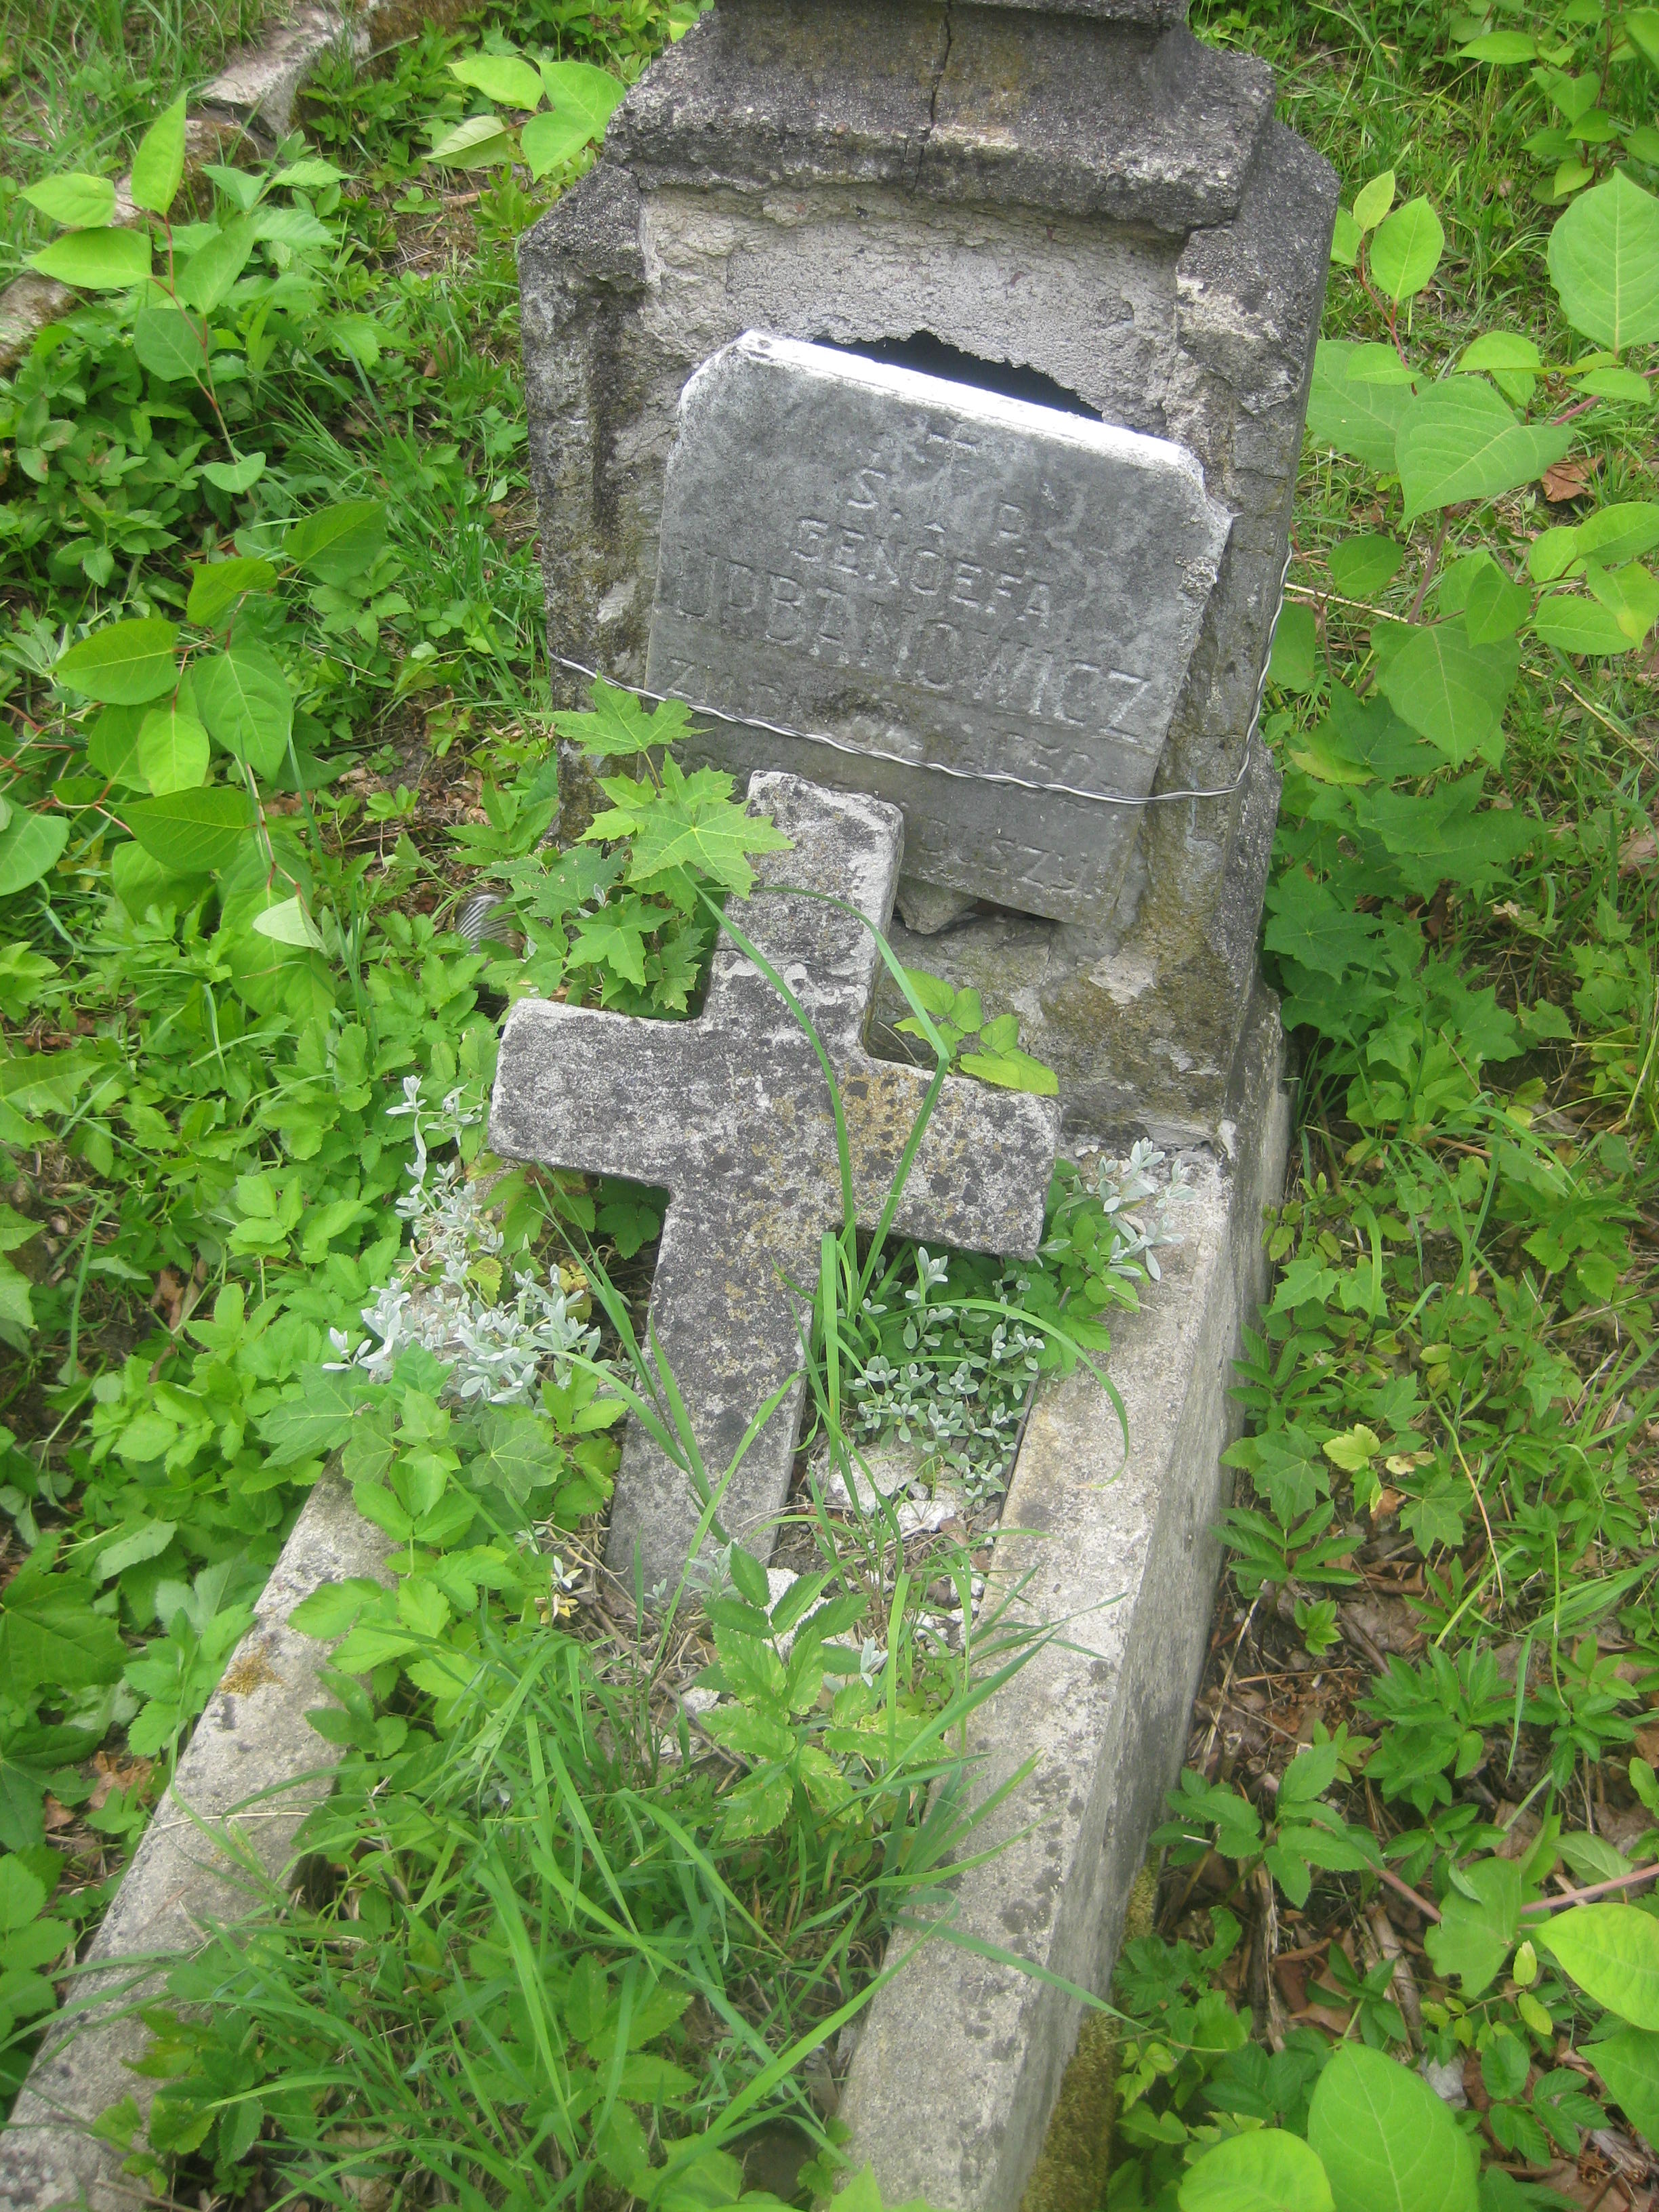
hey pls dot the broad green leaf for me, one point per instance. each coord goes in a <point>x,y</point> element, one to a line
<point>1359,398</point>
<point>1622,385</point>
<point>244,698</point>
<point>1499,48</point>
<point>1363,567</point>
<point>1269,2170</point>
<point>1573,624</point>
<point>216,587</point>
<point>1387,2142</point>
<point>551,138</point>
<point>235,476</point>
<point>1011,1069</point>
<point>1617,533</point>
<point>205,280</point>
<point>146,1542</point>
<point>1451,692</point>
<point>124,666</point>
<point>477,143</point>
<point>1407,250</point>
<point>1295,645</point>
<point>191,833</point>
<point>287,923</point>
<point>1629,2063</point>
<point>337,542</point>
<point>76,200</point>
<point>1372,201</point>
<point>1512,362</point>
<point>173,750</point>
<point>580,89</point>
<point>50,1635</point>
<point>314,1417</point>
<point>1306,924</point>
<point>112,745</point>
<point>1445,835</point>
<point>1604,264</point>
<point>1495,608</point>
<point>1475,1933</point>
<point>1612,1952</point>
<point>22,1895</point>
<point>357,337</point>
<point>1629,594</point>
<point>1552,553</point>
<point>1346,236</point>
<point>29,845</point>
<point>170,344</point>
<point>294,226</point>
<point>158,166</point>
<point>1642,26</point>
<point>501,77</point>
<point>1458,441</point>
<point>96,260</point>
<point>310,174</point>
<point>329,1610</point>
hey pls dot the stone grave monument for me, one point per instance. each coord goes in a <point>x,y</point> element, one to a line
<point>918,386</point>
<point>1073,204</point>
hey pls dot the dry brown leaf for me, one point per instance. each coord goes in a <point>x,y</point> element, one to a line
<point>1388,1622</point>
<point>1570,479</point>
<point>1640,850</point>
<point>114,1772</point>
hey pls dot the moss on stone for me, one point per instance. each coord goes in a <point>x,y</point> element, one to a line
<point>1071,2171</point>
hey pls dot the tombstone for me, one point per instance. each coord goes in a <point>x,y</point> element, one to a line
<point>732,1113</point>
<point>987,608</point>
<point>1078,207</point>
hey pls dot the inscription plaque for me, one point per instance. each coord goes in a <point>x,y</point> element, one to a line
<point>989,606</point>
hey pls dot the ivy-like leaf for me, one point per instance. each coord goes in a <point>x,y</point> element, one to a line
<point>694,824</point>
<point>619,725</point>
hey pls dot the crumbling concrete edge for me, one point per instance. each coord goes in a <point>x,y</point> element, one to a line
<point>252,97</point>
<point>254,1769</point>
<point>960,2061</point>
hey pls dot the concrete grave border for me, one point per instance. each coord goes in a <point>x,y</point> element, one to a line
<point>960,2059</point>
<point>254,98</point>
<point>254,1769</point>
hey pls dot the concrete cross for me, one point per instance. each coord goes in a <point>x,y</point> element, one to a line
<point>731,1114</point>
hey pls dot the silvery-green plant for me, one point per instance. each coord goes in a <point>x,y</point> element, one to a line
<point>497,1350</point>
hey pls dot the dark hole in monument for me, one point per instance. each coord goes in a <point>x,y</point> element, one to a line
<point>932,356</point>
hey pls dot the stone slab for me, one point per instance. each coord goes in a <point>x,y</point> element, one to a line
<point>731,1113</point>
<point>254,1768</point>
<point>972,593</point>
<point>958,2066</point>
<point>1108,110</point>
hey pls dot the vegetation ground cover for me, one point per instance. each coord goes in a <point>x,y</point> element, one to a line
<point>284,486</point>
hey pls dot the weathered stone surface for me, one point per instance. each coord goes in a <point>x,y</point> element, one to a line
<point>958,2066</point>
<point>1203,335</point>
<point>1033,109</point>
<point>255,1767</point>
<point>731,1114</point>
<point>959,587</point>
